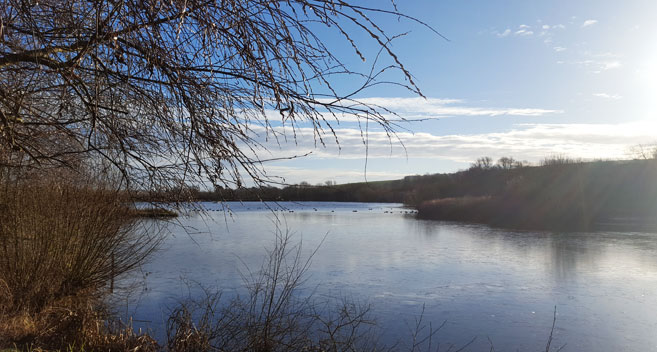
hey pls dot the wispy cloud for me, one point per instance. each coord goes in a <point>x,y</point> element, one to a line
<point>610,65</point>
<point>608,96</point>
<point>596,65</point>
<point>596,62</point>
<point>527,141</point>
<point>503,34</point>
<point>420,108</point>
<point>547,32</point>
<point>588,23</point>
<point>393,153</point>
<point>524,30</point>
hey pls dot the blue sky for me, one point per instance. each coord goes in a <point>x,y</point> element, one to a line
<point>526,79</point>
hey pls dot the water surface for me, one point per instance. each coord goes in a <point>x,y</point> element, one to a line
<point>483,282</point>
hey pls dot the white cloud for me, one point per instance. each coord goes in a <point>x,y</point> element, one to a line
<point>610,65</point>
<point>421,108</point>
<point>528,141</point>
<point>605,55</point>
<point>598,65</point>
<point>541,30</point>
<point>608,96</point>
<point>588,23</point>
<point>559,49</point>
<point>524,32</point>
<point>503,34</point>
<point>597,62</point>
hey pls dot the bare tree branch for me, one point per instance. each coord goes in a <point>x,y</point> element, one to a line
<point>169,91</point>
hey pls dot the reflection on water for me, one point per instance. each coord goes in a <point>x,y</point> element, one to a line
<point>484,282</point>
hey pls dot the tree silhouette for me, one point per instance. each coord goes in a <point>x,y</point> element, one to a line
<point>170,92</point>
<point>484,162</point>
<point>507,163</point>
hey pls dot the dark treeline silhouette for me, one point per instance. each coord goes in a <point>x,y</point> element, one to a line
<point>382,192</point>
<point>560,193</point>
<point>480,179</point>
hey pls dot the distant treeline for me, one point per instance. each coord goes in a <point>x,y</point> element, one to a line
<point>560,193</point>
<point>411,190</point>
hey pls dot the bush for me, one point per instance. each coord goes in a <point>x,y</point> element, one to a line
<point>61,238</point>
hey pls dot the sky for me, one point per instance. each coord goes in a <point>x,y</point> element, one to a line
<point>526,79</point>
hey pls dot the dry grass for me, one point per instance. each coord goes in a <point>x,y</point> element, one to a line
<point>71,322</point>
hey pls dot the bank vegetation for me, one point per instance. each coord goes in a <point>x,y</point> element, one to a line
<point>558,193</point>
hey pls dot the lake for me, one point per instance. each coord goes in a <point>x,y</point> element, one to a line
<point>482,282</point>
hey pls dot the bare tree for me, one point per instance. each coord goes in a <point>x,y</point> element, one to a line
<point>506,163</point>
<point>520,164</point>
<point>485,162</point>
<point>175,91</point>
<point>643,151</point>
<point>558,159</point>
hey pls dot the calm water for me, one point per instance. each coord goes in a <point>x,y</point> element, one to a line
<point>484,282</point>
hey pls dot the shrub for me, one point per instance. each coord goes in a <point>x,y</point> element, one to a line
<point>61,237</point>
